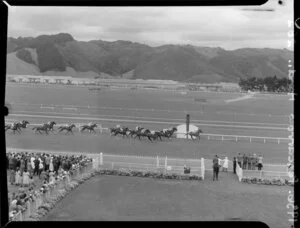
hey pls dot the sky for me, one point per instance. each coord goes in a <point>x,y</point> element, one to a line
<point>226,27</point>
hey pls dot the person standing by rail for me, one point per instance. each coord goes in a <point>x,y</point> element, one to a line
<point>216,167</point>
<point>234,165</point>
<point>260,162</point>
<point>239,160</point>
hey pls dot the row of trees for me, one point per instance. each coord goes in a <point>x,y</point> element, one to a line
<point>269,84</point>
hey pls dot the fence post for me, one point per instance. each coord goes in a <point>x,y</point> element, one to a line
<point>278,141</point>
<point>222,138</point>
<point>100,127</point>
<point>166,163</point>
<point>101,158</point>
<point>250,139</point>
<point>157,162</point>
<point>236,139</point>
<point>260,174</point>
<point>264,140</point>
<point>208,137</point>
<point>202,168</point>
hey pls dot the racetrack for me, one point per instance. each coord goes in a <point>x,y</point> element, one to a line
<point>262,115</point>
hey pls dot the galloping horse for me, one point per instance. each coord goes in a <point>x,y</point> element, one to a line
<point>14,127</point>
<point>122,131</point>
<point>41,128</point>
<point>195,133</point>
<point>89,127</point>
<point>50,125</point>
<point>144,133</point>
<point>156,134</point>
<point>22,124</point>
<point>67,128</point>
<point>170,132</point>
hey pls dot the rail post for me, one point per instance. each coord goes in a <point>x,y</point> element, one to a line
<point>250,139</point>
<point>236,138</point>
<point>166,162</point>
<point>222,138</point>
<point>101,158</point>
<point>264,140</point>
<point>208,137</point>
<point>157,162</point>
<point>260,174</point>
<point>278,141</point>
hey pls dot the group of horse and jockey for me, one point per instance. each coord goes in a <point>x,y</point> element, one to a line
<point>49,127</point>
<point>140,132</point>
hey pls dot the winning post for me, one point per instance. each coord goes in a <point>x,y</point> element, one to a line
<point>187,125</point>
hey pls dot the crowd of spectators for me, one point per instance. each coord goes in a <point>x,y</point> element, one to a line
<point>250,161</point>
<point>31,173</point>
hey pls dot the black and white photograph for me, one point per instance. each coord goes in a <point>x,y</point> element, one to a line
<point>151,113</point>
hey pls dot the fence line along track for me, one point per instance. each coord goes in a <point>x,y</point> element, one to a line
<point>95,154</point>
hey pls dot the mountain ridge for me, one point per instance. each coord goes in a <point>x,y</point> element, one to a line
<point>61,52</point>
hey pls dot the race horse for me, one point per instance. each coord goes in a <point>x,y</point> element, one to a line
<point>122,131</point>
<point>16,126</point>
<point>144,133</point>
<point>168,133</point>
<point>89,127</point>
<point>50,125</point>
<point>194,134</point>
<point>41,128</point>
<point>67,128</point>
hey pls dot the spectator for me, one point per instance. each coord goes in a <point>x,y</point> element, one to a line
<point>260,162</point>
<point>249,161</point>
<point>12,165</point>
<point>26,178</point>
<point>239,160</point>
<point>36,166</point>
<point>47,162</point>
<point>245,161</point>
<point>41,167</point>
<point>29,167</point>
<point>216,167</point>
<point>18,177</point>
<point>51,168</point>
<point>234,165</point>
<point>225,164</point>
<point>12,177</point>
<point>22,165</point>
<point>254,161</point>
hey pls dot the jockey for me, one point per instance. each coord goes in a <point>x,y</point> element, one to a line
<point>90,123</point>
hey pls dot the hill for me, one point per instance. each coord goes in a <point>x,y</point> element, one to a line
<point>61,54</point>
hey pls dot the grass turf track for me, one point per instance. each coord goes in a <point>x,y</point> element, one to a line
<point>262,106</point>
<point>143,99</point>
<point>85,142</point>
<point>112,198</point>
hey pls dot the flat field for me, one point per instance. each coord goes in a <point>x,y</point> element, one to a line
<point>112,198</point>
